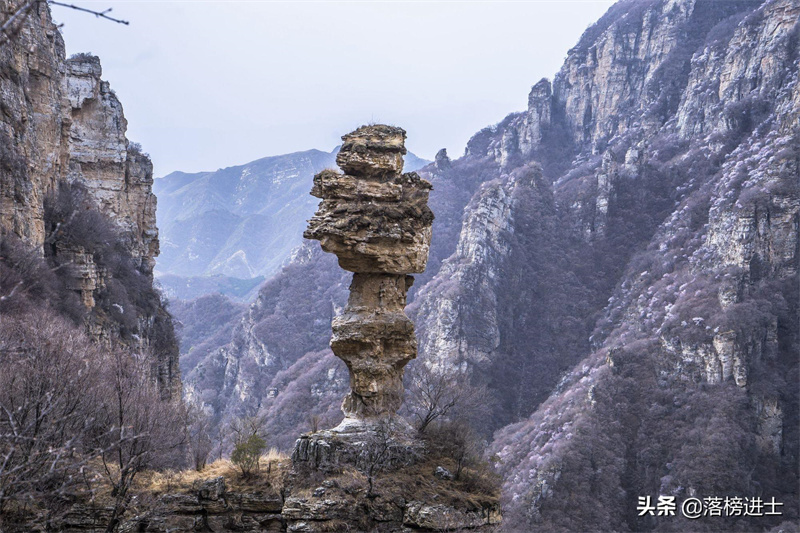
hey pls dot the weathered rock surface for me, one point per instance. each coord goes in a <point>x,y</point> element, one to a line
<point>115,172</point>
<point>208,506</point>
<point>354,443</point>
<point>697,322</point>
<point>211,505</point>
<point>73,131</point>
<point>34,141</point>
<point>375,219</point>
<point>60,123</point>
<point>421,515</point>
<point>377,222</point>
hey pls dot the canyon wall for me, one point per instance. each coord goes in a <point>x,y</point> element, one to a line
<point>62,141</point>
<point>618,265</point>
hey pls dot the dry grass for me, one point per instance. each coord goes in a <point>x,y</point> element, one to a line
<point>476,489</point>
<point>273,468</point>
<point>347,482</point>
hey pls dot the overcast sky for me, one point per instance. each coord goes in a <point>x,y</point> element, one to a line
<point>207,85</point>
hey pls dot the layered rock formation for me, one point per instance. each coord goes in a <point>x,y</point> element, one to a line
<point>118,176</point>
<point>377,222</point>
<point>335,504</point>
<point>62,125</point>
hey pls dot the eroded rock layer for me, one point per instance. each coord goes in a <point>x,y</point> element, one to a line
<point>377,222</point>
<point>62,127</point>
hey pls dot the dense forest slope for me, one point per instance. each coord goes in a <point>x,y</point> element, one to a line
<point>618,265</point>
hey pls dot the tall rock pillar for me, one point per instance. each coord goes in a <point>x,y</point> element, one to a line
<point>377,222</point>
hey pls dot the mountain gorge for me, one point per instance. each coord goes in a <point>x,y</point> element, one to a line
<point>617,265</point>
<point>613,277</point>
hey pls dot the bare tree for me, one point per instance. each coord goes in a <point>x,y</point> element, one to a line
<point>135,429</point>
<point>313,422</point>
<point>48,394</point>
<point>375,453</point>
<point>457,440</point>
<point>13,24</point>
<point>198,434</point>
<point>435,394</point>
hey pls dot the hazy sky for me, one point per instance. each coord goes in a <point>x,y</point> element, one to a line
<point>207,85</point>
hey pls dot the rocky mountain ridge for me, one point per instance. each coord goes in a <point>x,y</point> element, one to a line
<point>618,265</point>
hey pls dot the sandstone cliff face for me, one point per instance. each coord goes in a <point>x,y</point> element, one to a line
<point>116,173</point>
<point>61,124</point>
<point>34,152</point>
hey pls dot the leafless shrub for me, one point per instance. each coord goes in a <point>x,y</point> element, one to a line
<point>48,396</point>
<point>27,281</point>
<point>375,454</point>
<point>135,429</point>
<point>439,395</point>
<point>198,433</point>
<point>313,422</point>
<point>456,440</point>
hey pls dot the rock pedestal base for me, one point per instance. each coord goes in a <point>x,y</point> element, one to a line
<point>385,444</point>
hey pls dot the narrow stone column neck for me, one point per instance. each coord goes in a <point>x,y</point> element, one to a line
<point>379,292</point>
<point>375,338</point>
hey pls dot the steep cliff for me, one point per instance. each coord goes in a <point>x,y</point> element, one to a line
<point>74,188</point>
<point>691,387</point>
<point>618,265</point>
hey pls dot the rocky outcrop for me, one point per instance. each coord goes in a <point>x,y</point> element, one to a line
<point>61,125</point>
<point>377,222</point>
<point>118,176</point>
<point>700,319</point>
<point>335,504</point>
<point>468,278</point>
<point>34,125</point>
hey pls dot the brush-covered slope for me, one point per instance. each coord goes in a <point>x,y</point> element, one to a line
<point>618,265</point>
<point>76,192</point>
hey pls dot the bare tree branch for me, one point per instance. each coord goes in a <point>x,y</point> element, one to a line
<point>12,26</point>
<point>99,14</point>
